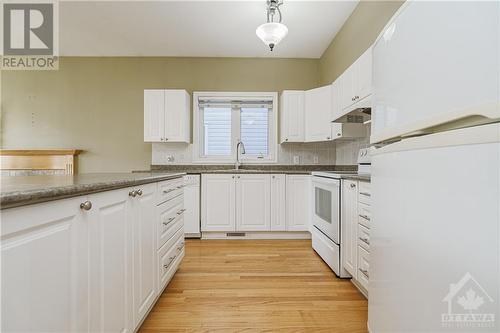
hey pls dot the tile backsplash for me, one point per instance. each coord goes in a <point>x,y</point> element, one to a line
<point>327,153</point>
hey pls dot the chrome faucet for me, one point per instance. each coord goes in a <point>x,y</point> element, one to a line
<point>238,163</point>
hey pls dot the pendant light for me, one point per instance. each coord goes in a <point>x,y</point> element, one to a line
<point>271,33</point>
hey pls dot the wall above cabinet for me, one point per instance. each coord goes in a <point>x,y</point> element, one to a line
<point>167,115</point>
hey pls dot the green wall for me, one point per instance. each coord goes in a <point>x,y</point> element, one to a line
<point>96,104</point>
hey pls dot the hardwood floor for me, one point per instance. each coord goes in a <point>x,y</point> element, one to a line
<point>256,286</point>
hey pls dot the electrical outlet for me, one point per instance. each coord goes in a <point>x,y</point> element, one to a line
<point>315,159</point>
<point>296,159</point>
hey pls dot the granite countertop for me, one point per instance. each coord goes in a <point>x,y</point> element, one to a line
<point>25,190</point>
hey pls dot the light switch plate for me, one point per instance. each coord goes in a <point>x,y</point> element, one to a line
<point>296,159</point>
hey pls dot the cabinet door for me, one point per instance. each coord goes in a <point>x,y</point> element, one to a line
<point>336,101</point>
<point>318,114</point>
<point>154,115</point>
<point>363,71</point>
<point>44,268</point>
<point>346,83</point>
<point>349,225</point>
<point>278,203</point>
<point>253,198</point>
<point>298,202</point>
<point>217,202</point>
<point>177,116</point>
<point>110,273</point>
<point>144,250</point>
<point>292,116</point>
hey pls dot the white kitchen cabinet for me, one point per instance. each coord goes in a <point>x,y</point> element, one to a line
<point>342,131</point>
<point>253,202</point>
<point>298,202</point>
<point>144,249</point>
<point>349,225</point>
<point>318,111</point>
<point>44,268</point>
<point>110,264</point>
<point>218,202</point>
<point>278,202</point>
<point>292,116</point>
<point>355,84</point>
<point>166,115</point>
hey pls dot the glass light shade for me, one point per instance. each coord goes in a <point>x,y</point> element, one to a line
<point>271,33</point>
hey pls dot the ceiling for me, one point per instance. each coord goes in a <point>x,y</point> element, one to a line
<point>195,28</point>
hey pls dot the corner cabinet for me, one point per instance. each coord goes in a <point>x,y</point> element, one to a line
<point>167,115</point>
<point>292,116</point>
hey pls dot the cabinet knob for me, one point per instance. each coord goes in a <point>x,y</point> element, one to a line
<point>286,139</point>
<point>139,192</point>
<point>338,134</point>
<point>274,177</point>
<point>161,139</point>
<point>233,177</point>
<point>238,177</point>
<point>328,138</point>
<point>166,139</point>
<point>353,185</point>
<point>87,205</point>
<point>132,193</point>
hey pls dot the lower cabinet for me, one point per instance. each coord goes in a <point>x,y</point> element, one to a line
<point>278,203</point>
<point>298,202</point>
<point>349,225</point>
<point>91,269</point>
<point>44,268</point>
<point>110,261</point>
<point>253,208</point>
<point>218,202</point>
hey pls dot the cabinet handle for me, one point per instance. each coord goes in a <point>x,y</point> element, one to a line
<point>365,193</point>
<point>87,205</point>
<point>170,219</point>
<point>353,185</point>
<point>181,211</point>
<point>366,217</point>
<point>169,190</point>
<point>179,248</point>
<point>365,240</point>
<point>132,193</point>
<point>169,263</point>
<point>365,272</point>
<point>139,192</point>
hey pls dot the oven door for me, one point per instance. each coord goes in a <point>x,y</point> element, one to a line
<point>326,208</point>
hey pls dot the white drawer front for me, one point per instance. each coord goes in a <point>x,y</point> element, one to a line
<point>169,258</point>
<point>364,237</point>
<point>170,189</point>
<point>363,267</point>
<point>327,249</point>
<point>171,218</point>
<point>364,214</point>
<point>364,194</point>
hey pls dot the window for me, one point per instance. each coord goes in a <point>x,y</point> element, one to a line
<point>221,121</point>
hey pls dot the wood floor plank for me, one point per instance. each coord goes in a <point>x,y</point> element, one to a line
<point>256,286</point>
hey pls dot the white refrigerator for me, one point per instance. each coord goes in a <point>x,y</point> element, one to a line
<point>435,236</point>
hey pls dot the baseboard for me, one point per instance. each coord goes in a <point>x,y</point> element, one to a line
<point>192,235</point>
<point>258,235</point>
<point>360,287</point>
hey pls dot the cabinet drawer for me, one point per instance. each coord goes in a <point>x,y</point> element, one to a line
<point>365,193</point>
<point>364,214</point>
<point>327,249</point>
<point>364,237</point>
<point>170,219</point>
<point>169,257</point>
<point>170,189</point>
<point>363,267</point>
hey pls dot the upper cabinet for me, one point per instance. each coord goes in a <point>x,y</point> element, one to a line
<point>166,115</point>
<point>292,116</point>
<point>353,88</point>
<point>318,109</point>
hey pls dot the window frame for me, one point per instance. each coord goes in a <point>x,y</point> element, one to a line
<point>198,135</point>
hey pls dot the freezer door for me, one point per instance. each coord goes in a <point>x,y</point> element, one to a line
<point>436,63</point>
<point>434,243</point>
